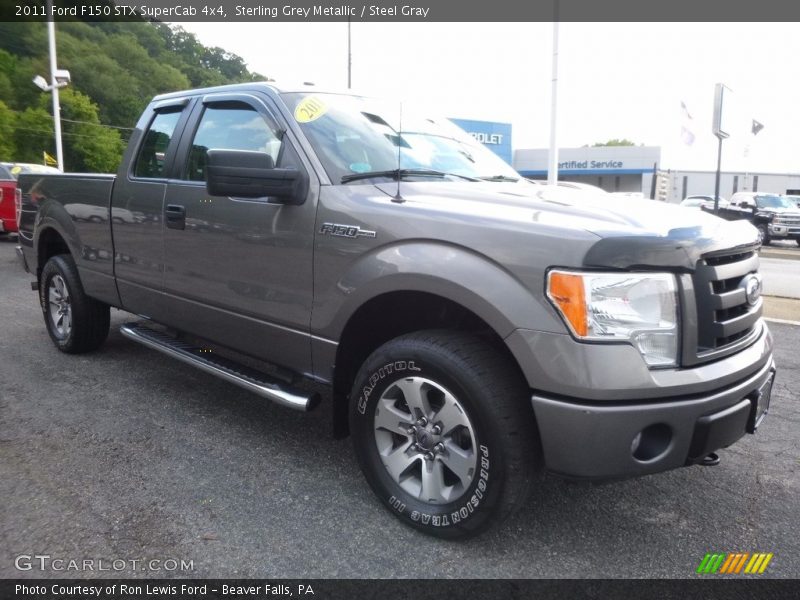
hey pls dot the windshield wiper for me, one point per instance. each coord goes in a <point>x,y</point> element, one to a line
<point>401,173</point>
<point>500,178</point>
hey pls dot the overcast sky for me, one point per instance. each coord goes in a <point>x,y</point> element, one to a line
<point>616,80</point>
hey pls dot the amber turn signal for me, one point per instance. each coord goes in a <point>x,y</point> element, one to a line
<point>566,291</point>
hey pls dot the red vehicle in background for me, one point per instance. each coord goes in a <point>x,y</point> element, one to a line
<point>9,172</point>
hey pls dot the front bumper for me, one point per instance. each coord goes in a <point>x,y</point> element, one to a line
<point>784,230</point>
<point>595,440</point>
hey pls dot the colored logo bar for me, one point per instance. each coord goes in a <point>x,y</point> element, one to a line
<point>734,563</point>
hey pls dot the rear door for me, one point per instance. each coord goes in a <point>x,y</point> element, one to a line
<point>239,271</point>
<point>137,208</point>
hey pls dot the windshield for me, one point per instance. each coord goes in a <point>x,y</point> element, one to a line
<point>355,135</point>
<point>772,201</point>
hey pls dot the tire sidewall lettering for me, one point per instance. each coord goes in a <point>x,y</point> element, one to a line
<point>379,375</point>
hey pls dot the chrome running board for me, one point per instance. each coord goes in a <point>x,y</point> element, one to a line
<point>224,368</point>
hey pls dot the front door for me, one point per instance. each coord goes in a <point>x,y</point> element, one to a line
<point>239,271</point>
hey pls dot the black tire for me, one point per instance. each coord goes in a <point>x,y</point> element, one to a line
<point>500,433</point>
<point>61,295</point>
<point>763,233</point>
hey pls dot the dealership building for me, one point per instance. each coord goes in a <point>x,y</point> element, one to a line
<point>629,169</point>
<point>613,168</point>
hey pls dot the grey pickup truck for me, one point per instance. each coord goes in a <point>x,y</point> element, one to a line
<point>473,328</point>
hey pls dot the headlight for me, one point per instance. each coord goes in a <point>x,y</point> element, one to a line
<point>639,308</point>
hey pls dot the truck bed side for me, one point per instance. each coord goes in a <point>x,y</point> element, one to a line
<point>72,210</point>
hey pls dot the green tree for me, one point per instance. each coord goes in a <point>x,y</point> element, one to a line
<point>8,147</point>
<point>614,142</point>
<point>88,145</point>
<point>33,134</point>
<point>116,68</point>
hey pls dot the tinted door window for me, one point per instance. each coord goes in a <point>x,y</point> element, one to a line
<point>152,155</point>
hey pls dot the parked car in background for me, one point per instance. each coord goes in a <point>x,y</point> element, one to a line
<point>8,186</point>
<point>9,173</point>
<point>699,201</point>
<point>775,216</point>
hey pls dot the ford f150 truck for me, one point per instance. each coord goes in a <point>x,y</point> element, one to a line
<point>473,328</point>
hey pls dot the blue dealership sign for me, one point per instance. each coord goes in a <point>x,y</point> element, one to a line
<point>495,136</point>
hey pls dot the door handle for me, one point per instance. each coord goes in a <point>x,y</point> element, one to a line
<point>176,216</point>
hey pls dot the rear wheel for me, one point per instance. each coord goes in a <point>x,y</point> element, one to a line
<point>444,432</point>
<point>76,323</point>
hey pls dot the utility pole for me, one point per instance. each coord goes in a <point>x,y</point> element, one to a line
<point>349,55</point>
<point>51,36</point>
<point>552,162</point>
<point>720,129</point>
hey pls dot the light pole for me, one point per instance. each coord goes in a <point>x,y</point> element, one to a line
<point>552,159</point>
<point>349,55</point>
<point>58,78</point>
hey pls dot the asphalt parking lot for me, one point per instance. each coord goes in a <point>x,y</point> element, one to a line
<point>126,455</point>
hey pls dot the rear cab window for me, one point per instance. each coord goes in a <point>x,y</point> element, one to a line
<point>151,159</point>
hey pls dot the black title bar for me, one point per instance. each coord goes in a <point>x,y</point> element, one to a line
<point>705,588</point>
<point>411,11</point>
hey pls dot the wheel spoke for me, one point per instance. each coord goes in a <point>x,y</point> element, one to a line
<point>390,418</point>
<point>398,461</point>
<point>461,462</point>
<point>450,415</point>
<point>67,320</point>
<point>432,482</point>
<point>415,397</point>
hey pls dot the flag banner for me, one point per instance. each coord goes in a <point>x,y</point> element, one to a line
<point>687,127</point>
<point>49,161</point>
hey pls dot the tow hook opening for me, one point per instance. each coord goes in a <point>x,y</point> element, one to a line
<point>710,460</point>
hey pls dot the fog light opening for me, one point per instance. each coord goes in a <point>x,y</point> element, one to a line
<point>651,442</point>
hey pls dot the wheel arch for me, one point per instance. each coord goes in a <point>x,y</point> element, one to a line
<point>410,310</point>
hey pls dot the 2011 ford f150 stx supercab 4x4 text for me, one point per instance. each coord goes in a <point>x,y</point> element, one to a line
<point>473,327</point>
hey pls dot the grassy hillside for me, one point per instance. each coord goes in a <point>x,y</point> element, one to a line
<point>116,68</point>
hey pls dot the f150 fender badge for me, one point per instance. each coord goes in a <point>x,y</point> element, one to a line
<point>348,231</point>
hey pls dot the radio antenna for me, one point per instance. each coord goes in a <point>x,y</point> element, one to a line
<point>397,197</point>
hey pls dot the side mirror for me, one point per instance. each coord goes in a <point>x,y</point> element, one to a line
<point>246,174</point>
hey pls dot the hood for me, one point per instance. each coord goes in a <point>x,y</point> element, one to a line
<point>780,210</point>
<point>632,232</point>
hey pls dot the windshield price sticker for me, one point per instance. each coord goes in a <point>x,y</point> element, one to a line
<point>310,109</point>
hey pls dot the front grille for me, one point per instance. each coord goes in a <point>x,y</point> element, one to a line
<point>792,220</point>
<point>724,315</point>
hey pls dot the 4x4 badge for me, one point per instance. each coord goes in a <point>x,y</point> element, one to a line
<point>349,231</point>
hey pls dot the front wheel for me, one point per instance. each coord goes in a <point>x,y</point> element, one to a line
<point>76,323</point>
<point>763,235</point>
<point>444,432</point>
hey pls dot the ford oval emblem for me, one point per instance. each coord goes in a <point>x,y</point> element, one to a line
<point>752,288</point>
